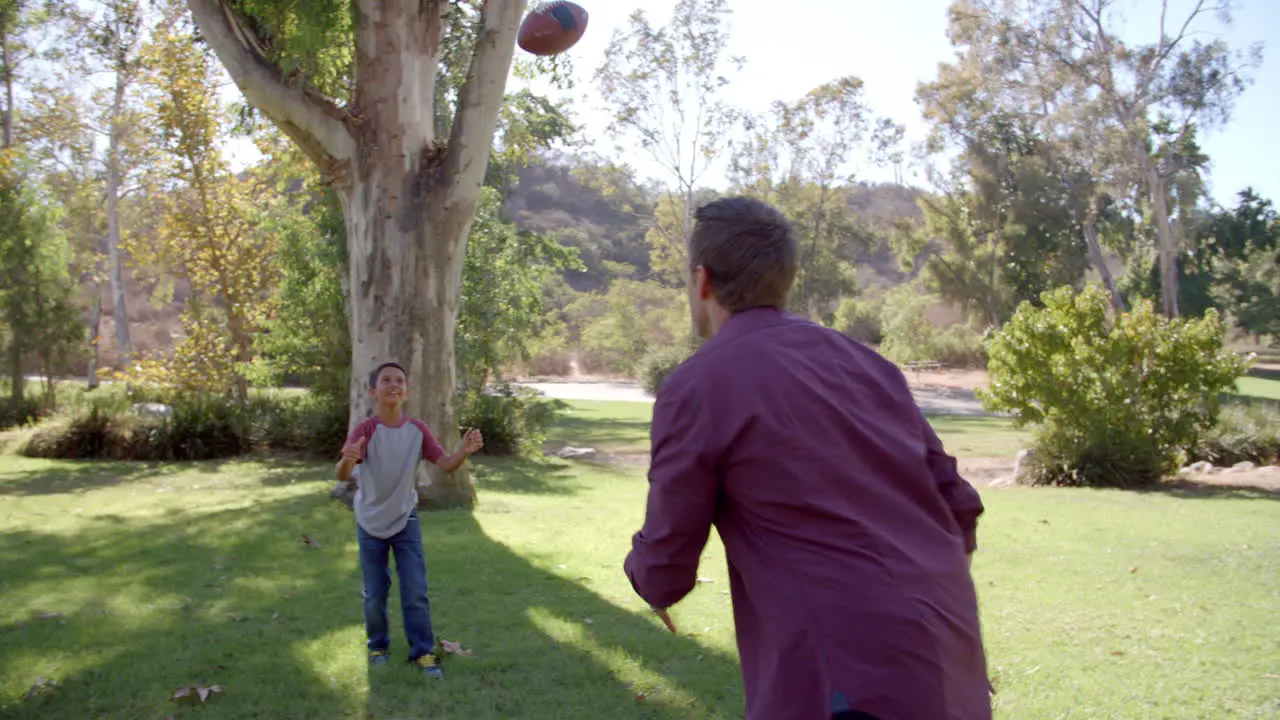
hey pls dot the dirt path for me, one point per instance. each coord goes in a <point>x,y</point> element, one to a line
<point>937,400</point>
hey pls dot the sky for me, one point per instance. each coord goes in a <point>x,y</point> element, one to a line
<point>892,45</point>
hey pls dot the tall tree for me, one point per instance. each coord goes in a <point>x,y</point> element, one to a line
<point>113,34</point>
<point>212,232</point>
<point>803,156</point>
<point>662,86</point>
<point>1153,95</point>
<point>397,102</point>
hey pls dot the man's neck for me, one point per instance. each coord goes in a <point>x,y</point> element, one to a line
<point>390,414</point>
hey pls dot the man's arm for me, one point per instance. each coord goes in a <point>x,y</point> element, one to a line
<point>964,501</point>
<point>663,563</point>
<point>433,451</point>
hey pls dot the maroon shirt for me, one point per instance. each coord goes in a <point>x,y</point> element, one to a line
<point>844,523</point>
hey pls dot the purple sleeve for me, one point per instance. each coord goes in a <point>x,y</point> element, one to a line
<point>960,496</point>
<point>431,449</point>
<point>364,429</point>
<point>663,563</point>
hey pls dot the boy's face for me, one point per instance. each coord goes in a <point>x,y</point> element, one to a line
<point>390,389</point>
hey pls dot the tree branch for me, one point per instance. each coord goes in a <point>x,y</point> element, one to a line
<point>311,120</point>
<point>480,99</point>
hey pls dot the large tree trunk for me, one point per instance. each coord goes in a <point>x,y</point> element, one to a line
<point>95,327</point>
<point>408,198</point>
<point>1099,261</point>
<point>115,263</point>
<point>1167,244</point>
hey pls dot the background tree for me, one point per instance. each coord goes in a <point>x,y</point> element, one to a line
<point>801,157</point>
<point>662,87</point>
<point>365,91</point>
<point>212,230</point>
<point>1154,96</point>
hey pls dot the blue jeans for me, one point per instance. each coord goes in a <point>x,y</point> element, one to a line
<point>411,567</point>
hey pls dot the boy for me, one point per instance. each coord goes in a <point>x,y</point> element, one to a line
<point>387,447</point>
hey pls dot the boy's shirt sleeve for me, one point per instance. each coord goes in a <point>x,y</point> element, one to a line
<point>431,448</point>
<point>364,429</point>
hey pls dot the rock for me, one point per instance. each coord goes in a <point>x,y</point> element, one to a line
<point>1023,467</point>
<point>1243,466</point>
<point>573,453</point>
<point>152,410</point>
<point>1200,468</point>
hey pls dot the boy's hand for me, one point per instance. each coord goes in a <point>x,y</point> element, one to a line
<point>351,452</point>
<point>472,442</point>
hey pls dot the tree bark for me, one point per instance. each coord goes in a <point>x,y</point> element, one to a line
<point>1100,262</point>
<point>1167,243</point>
<point>95,327</point>
<point>408,199</point>
<point>115,264</point>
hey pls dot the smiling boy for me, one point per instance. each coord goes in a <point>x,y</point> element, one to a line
<point>381,456</point>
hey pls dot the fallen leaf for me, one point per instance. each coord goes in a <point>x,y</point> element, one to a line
<point>49,616</point>
<point>196,691</point>
<point>705,580</point>
<point>309,542</point>
<point>454,648</point>
<point>1117,652</point>
<point>641,696</point>
<point>1272,676</point>
<point>275,616</point>
<point>40,684</point>
<point>234,617</point>
<point>588,621</point>
<point>1133,569</point>
<point>1044,522</point>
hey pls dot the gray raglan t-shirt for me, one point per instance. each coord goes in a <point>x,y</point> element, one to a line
<point>385,488</point>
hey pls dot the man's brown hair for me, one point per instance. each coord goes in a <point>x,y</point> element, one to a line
<point>749,251</point>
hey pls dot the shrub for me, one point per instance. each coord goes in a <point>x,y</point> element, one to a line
<point>16,414</point>
<point>860,320</point>
<point>658,364</point>
<point>513,420</point>
<point>104,425</point>
<point>1116,398</point>
<point>1243,433</point>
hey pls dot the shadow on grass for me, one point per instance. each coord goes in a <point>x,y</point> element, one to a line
<point>233,598</point>
<point>1193,490</point>
<point>600,432</point>
<point>1265,373</point>
<point>77,476</point>
<point>511,475</point>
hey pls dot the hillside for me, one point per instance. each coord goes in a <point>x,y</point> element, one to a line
<point>603,212</point>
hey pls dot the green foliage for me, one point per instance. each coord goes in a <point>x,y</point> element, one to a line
<point>1236,263</point>
<point>1116,399</point>
<point>503,277</point>
<point>909,336</point>
<point>860,319</point>
<point>17,413</point>
<point>306,338</point>
<point>513,420</point>
<point>658,364</point>
<point>617,327</point>
<point>1243,433</point>
<point>105,424</point>
<point>39,325</point>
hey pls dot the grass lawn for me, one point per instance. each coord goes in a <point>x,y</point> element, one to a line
<point>124,582</point>
<point>622,428</point>
<point>1259,387</point>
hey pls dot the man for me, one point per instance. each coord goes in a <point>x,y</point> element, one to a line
<point>846,526</point>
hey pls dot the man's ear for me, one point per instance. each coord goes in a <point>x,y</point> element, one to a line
<point>702,283</point>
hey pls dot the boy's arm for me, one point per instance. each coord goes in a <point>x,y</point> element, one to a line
<point>353,453</point>
<point>471,443</point>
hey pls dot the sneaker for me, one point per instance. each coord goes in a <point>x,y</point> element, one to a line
<point>428,664</point>
<point>378,657</point>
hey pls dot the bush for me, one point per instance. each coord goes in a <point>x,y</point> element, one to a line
<point>860,320</point>
<point>104,425</point>
<point>513,420</point>
<point>909,336</point>
<point>1117,399</point>
<point>658,364</point>
<point>17,414</point>
<point>1243,433</point>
